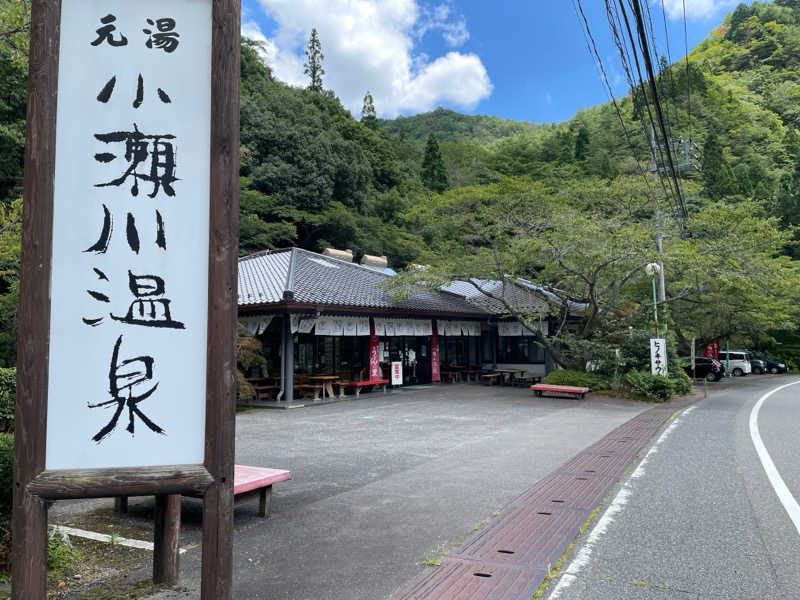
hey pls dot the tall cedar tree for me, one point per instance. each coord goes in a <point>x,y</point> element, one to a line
<point>716,170</point>
<point>368,116</point>
<point>433,175</point>
<point>313,68</point>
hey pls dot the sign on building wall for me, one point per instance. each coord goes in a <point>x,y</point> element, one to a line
<point>127,357</point>
<point>658,356</point>
<point>397,373</point>
<point>436,374</point>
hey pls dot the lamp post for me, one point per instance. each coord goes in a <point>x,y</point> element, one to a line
<point>653,269</point>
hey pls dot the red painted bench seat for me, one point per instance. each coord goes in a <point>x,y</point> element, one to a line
<point>246,481</point>
<point>357,385</point>
<point>578,392</point>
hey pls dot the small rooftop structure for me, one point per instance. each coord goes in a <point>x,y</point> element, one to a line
<point>340,254</point>
<point>375,262</point>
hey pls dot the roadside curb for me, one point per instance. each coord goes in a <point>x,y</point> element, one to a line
<point>515,552</point>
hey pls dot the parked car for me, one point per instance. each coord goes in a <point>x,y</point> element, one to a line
<point>737,362</point>
<point>709,369</point>
<point>758,365</point>
<point>773,366</point>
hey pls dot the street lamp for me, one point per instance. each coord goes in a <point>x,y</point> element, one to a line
<point>653,269</point>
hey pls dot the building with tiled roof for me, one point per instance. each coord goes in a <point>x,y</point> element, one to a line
<point>322,316</point>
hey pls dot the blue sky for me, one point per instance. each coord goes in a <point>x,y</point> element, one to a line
<point>519,59</point>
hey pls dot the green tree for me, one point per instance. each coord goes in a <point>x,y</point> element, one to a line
<point>715,169</point>
<point>10,238</point>
<point>313,68</point>
<point>15,22</point>
<point>581,143</point>
<point>368,116</point>
<point>433,174</point>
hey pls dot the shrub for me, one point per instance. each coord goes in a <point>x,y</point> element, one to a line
<point>6,494</point>
<point>6,473</point>
<point>8,394</point>
<point>577,378</point>
<point>60,553</point>
<point>655,387</point>
<point>658,387</point>
<point>681,383</point>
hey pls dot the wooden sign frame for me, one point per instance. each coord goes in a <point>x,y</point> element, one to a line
<point>33,485</point>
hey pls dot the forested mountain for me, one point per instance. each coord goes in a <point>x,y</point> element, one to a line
<point>449,125</point>
<point>312,175</point>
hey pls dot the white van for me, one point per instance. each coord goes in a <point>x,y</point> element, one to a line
<point>736,363</point>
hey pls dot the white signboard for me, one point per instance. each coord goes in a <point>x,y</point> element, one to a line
<point>658,356</point>
<point>397,373</point>
<point>129,290</point>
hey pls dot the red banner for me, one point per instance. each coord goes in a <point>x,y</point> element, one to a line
<point>435,375</point>
<point>711,349</point>
<point>374,354</point>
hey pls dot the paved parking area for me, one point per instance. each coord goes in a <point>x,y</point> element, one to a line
<point>380,482</point>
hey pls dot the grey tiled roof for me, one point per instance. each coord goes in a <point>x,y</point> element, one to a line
<point>315,279</point>
<point>523,294</point>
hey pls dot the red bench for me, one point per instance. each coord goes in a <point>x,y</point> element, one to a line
<point>247,481</point>
<point>578,392</point>
<point>357,385</point>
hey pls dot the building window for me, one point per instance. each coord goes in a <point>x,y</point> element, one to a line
<point>519,349</point>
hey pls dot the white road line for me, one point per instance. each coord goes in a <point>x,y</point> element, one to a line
<point>781,490</point>
<point>584,555</point>
<point>109,539</point>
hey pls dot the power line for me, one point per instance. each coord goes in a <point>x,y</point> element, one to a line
<point>637,9</point>
<point>688,80</point>
<point>641,87</point>
<point>592,48</point>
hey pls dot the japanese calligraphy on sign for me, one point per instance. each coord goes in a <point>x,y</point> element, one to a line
<point>129,294</point>
<point>658,356</point>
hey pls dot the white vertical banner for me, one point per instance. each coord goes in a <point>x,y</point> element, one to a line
<point>658,356</point>
<point>397,373</point>
<point>129,289</point>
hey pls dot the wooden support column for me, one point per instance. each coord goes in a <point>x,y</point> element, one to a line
<point>288,362</point>
<point>217,560</point>
<point>166,540</point>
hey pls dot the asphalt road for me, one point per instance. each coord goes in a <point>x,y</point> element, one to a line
<point>381,482</point>
<point>699,517</point>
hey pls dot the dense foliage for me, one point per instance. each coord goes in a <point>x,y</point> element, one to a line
<point>567,205</point>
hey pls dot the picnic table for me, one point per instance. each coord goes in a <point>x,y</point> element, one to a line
<point>472,372</point>
<point>451,375</point>
<point>326,381</point>
<point>264,386</point>
<point>508,374</point>
<point>491,378</point>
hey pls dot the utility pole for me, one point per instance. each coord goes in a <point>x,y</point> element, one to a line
<point>684,149</point>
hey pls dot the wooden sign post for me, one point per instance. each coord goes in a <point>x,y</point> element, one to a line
<point>125,356</point>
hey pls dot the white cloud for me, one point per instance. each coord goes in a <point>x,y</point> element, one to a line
<point>369,45</point>
<point>454,28</point>
<point>695,9</point>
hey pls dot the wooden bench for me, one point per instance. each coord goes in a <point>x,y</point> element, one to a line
<point>357,385</point>
<point>578,392</point>
<point>265,390</point>
<point>309,387</point>
<point>247,481</point>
